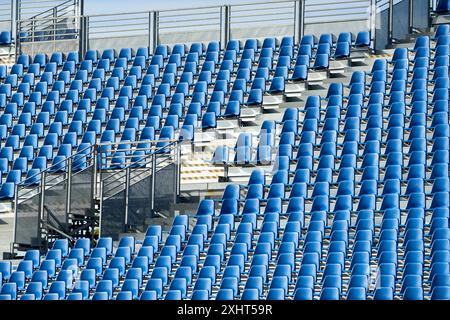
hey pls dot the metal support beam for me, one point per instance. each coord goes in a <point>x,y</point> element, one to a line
<point>431,8</point>
<point>391,39</point>
<point>81,5</point>
<point>83,35</point>
<point>225,172</point>
<point>411,15</point>
<point>18,10</point>
<point>127,194</point>
<point>153,183</point>
<point>153,30</point>
<point>55,23</point>
<point>225,22</point>
<point>373,24</point>
<point>299,21</point>
<point>86,34</point>
<point>42,220</point>
<point>18,45</point>
<point>221,28</point>
<point>69,187</point>
<point>178,171</point>
<point>433,5</point>
<point>11,24</point>
<point>95,193</point>
<point>100,206</point>
<point>16,203</point>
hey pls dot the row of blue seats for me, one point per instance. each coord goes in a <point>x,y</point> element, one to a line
<point>89,274</point>
<point>418,91</point>
<point>276,240</point>
<point>263,227</point>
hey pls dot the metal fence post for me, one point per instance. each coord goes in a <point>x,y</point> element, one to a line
<point>33,30</point>
<point>153,181</point>
<point>69,187</point>
<point>225,171</point>
<point>15,18</point>
<point>373,24</point>
<point>86,34</point>
<point>391,22</point>
<point>41,216</point>
<point>80,34</point>
<point>18,45</point>
<point>153,30</point>
<point>16,204</point>
<point>225,26</point>
<point>127,193</point>
<point>221,27</point>
<point>178,175</point>
<point>95,172</point>
<point>81,7</point>
<point>100,207</point>
<point>11,24</point>
<point>430,10</point>
<point>299,20</point>
<point>411,16</point>
<point>18,10</point>
<point>55,22</point>
<point>83,35</point>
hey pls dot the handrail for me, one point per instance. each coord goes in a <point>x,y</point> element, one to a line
<point>45,19</point>
<point>121,178</point>
<point>146,156</point>
<point>190,8</point>
<point>50,10</point>
<point>135,142</point>
<point>95,148</point>
<point>48,169</point>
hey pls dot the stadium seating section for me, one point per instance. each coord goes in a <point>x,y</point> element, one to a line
<point>356,207</point>
<point>54,107</point>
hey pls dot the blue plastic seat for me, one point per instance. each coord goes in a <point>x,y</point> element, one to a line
<point>443,6</point>
<point>100,296</point>
<point>321,62</point>
<point>131,286</point>
<point>148,295</point>
<point>356,293</point>
<point>303,294</point>
<point>440,293</point>
<point>413,293</point>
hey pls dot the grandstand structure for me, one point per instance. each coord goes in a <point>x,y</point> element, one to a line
<point>285,150</point>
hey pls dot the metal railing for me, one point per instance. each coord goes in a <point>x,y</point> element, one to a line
<point>128,155</point>
<point>54,13</point>
<point>144,184</point>
<point>153,27</point>
<point>67,8</point>
<point>395,20</point>
<point>320,11</point>
<point>220,23</point>
<point>39,9</point>
<point>6,15</point>
<point>50,203</point>
<point>46,29</point>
